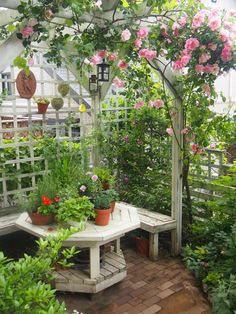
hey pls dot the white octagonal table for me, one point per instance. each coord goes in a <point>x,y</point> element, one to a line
<point>123,219</point>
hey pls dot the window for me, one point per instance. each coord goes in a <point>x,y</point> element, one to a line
<point>6,85</point>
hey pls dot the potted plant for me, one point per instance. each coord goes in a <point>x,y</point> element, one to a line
<point>63,89</point>
<point>114,196</point>
<point>57,103</point>
<point>42,103</point>
<point>42,204</point>
<point>102,208</point>
<point>104,175</point>
<point>89,185</point>
<point>75,211</point>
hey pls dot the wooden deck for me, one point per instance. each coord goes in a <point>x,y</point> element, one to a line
<point>113,270</point>
<point>7,224</point>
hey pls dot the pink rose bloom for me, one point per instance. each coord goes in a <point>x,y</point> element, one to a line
<point>208,68</point>
<point>138,43</point>
<point>183,20</point>
<point>214,23</point>
<point>184,131</point>
<point>226,54</point>
<point>158,103</point>
<point>112,56</point>
<point>150,54</point>
<point>207,90</point>
<point>164,33</point>
<point>178,65</point>
<point>83,188</point>
<point>195,148</point>
<point>142,53</point>
<point>198,19</point>
<point>170,131</point>
<point>27,31</point>
<point>31,61</point>
<point>211,46</point>
<point>118,83</point>
<point>95,60</point>
<point>192,44</point>
<point>94,177</point>
<point>143,32</point>
<point>102,54</point>
<point>122,64</point>
<point>125,35</point>
<point>204,58</point>
<point>139,104</point>
<point>215,69</point>
<point>224,35</point>
<point>185,59</point>
<point>176,32</point>
<point>175,26</point>
<point>199,68</point>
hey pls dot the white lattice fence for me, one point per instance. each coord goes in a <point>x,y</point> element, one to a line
<point>21,127</point>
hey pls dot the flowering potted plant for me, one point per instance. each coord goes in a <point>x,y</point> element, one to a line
<point>89,185</point>
<point>102,206</point>
<point>42,103</point>
<point>114,196</point>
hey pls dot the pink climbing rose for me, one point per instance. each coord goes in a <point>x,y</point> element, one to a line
<point>192,44</point>
<point>102,53</point>
<point>27,31</point>
<point>112,56</point>
<point>148,54</point>
<point>158,103</point>
<point>170,131</point>
<point>198,19</point>
<point>184,131</point>
<point>206,88</point>
<point>125,35</point>
<point>139,104</point>
<point>211,46</point>
<point>226,54</point>
<point>199,68</point>
<point>118,83</point>
<point>183,20</point>
<point>122,64</point>
<point>95,60</point>
<point>214,23</point>
<point>204,58</point>
<point>143,32</point>
<point>178,65</point>
<point>138,43</point>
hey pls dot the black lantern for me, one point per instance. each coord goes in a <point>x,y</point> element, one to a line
<point>103,72</point>
<point>93,84</point>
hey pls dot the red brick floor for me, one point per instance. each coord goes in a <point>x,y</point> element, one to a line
<point>163,287</point>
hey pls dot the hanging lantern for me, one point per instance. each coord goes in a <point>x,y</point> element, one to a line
<point>82,108</point>
<point>103,72</point>
<point>93,84</point>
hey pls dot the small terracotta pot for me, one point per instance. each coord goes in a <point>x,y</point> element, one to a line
<point>105,186</point>
<point>41,220</point>
<point>113,203</point>
<point>42,108</point>
<point>142,246</point>
<point>103,217</point>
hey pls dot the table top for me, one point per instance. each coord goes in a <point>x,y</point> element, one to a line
<point>123,219</point>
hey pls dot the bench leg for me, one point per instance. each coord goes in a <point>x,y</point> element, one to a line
<point>117,246</point>
<point>153,246</point>
<point>174,251</point>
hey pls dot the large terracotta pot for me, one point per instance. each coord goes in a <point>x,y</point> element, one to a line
<point>42,108</point>
<point>103,216</point>
<point>41,220</point>
<point>142,246</point>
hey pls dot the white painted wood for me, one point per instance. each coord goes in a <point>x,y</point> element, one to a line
<point>94,262</point>
<point>7,224</point>
<point>117,246</point>
<point>153,246</point>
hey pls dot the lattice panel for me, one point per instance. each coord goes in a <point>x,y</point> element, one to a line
<point>21,126</point>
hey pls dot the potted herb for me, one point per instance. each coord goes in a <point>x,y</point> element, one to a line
<point>105,177</point>
<point>75,210</point>
<point>102,208</point>
<point>63,89</point>
<point>42,103</point>
<point>57,103</point>
<point>113,196</point>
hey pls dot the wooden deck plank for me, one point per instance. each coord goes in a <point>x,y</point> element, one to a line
<point>116,257</point>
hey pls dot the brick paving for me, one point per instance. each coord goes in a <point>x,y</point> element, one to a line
<point>163,287</point>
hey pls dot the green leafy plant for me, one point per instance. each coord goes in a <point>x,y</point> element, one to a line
<point>101,201</point>
<point>41,100</point>
<point>112,194</point>
<point>104,175</point>
<point>77,209</point>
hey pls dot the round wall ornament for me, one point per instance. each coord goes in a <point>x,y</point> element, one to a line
<point>26,84</point>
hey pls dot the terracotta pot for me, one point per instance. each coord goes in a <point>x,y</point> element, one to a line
<point>41,220</point>
<point>113,203</point>
<point>42,108</point>
<point>103,216</point>
<point>105,186</point>
<point>26,84</point>
<point>142,246</point>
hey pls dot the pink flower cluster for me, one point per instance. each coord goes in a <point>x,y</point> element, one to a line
<point>27,31</point>
<point>183,61</point>
<point>122,64</point>
<point>143,32</point>
<point>125,35</point>
<point>158,103</point>
<point>226,54</point>
<point>208,68</point>
<point>139,104</point>
<point>148,54</point>
<point>118,83</point>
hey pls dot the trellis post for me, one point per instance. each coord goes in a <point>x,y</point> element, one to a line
<point>177,177</point>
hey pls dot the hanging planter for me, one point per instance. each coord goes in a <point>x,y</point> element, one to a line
<point>42,104</point>
<point>57,103</point>
<point>26,84</point>
<point>63,89</point>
